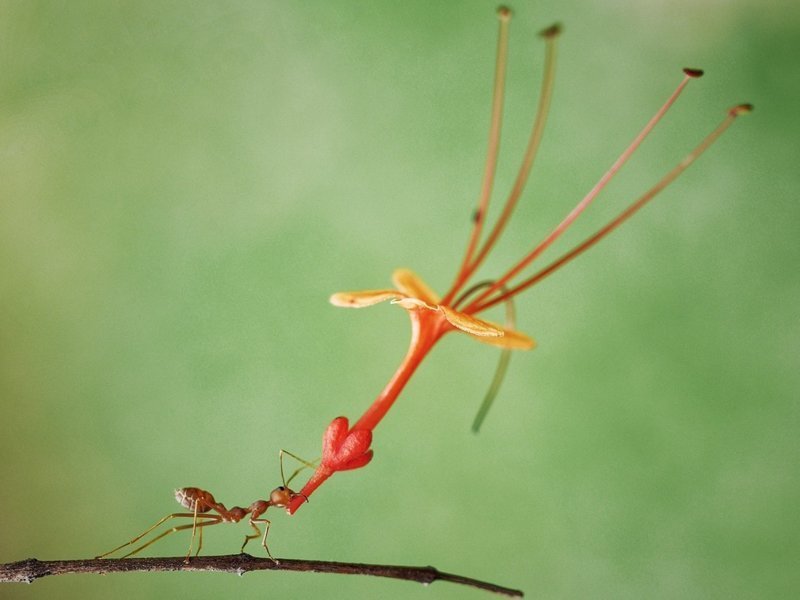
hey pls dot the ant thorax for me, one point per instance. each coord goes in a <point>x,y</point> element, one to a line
<point>259,507</point>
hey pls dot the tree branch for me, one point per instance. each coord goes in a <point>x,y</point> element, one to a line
<point>27,571</point>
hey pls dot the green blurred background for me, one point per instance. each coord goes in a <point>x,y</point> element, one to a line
<point>182,186</point>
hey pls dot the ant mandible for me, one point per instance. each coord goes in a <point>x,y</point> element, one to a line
<point>201,502</point>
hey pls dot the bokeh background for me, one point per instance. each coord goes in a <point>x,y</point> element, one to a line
<point>182,185</point>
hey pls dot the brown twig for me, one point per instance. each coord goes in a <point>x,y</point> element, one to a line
<point>27,571</point>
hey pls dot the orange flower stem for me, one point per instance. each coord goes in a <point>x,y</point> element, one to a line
<point>317,479</point>
<point>426,329</point>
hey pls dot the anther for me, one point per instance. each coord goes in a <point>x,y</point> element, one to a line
<point>551,32</point>
<point>741,109</point>
<point>694,73</point>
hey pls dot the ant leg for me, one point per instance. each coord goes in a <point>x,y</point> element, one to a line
<point>141,535</point>
<point>267,523</point>
<point>257,534</point>
<point>213,520</point>
<point>194,531</point>
<point>305,465</point>
<point>199,543</point>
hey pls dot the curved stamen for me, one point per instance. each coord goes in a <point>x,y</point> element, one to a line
<point>502,365</point>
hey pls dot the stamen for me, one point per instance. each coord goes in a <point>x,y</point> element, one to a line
<point>494,387</point>
<point>499,373</point>
<point>741,109</point>
<point>474,289</point>
<point>505,356</point>
<point>593,193</point>
<point>550,34</point>
<point>479,216</point>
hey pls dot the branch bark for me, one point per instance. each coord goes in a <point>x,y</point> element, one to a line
<point>27,571</point>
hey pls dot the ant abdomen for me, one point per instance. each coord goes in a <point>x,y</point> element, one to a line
<point>188,497</point>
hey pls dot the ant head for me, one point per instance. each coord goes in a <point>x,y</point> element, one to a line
<point>282,496</point>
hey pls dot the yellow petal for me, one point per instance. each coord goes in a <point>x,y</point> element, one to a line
<point>511,340</point>
<point>412,303</point>
<point>364,298</point>
<point>410,284</point>
<point>470,324</point>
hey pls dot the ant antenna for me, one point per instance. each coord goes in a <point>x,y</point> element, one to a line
<point>304,465</point>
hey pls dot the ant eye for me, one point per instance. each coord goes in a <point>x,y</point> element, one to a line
<point>282,489</point>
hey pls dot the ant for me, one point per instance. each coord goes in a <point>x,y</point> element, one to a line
<point>200,502</point>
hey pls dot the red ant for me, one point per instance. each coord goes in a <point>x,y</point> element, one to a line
<point>201,502</point>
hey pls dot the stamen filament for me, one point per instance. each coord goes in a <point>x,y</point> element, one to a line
<point>502,365</point>
<point>734,112</point>
<point>550,34</point>
<point>504,15</point>
<point>593,193</point>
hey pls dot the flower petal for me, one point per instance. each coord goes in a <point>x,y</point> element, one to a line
<point>364,298</point>
<point>412,303</point>
<point>358,462</point>
<point>511,340</point>
<point>470,324</point>
<point>342,449</point>
<point>333,437</point>
<point>410,284</point>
